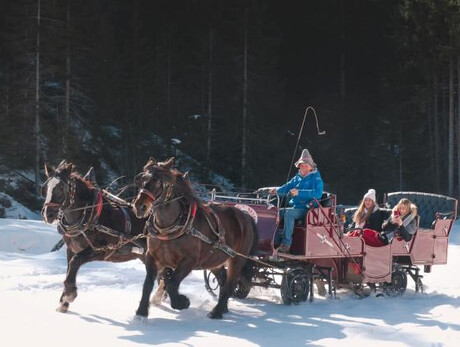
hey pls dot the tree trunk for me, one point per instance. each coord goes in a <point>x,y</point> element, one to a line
<point>37,105</point>
<point>245,102</point>
<point>209,130</point>
<point>450,150</point>
<point>135,154</point>
<point>342,58</point>
<point>436,131</point>
<point>169,72</point>
<point>458,125</point>
<point>65,134</point>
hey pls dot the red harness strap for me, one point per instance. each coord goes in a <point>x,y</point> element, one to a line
<point>99,204</point>
<point>194,210</point>
<point>149,195</point>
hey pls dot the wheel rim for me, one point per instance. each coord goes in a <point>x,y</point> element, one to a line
<point>295,286</point>
<point>211,284</point>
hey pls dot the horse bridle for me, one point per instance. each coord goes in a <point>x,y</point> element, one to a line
<point>69,192</point>
<point>162,198</point>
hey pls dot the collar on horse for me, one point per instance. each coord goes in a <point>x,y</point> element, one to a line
<point>177,229</point>
<point>87,220</point>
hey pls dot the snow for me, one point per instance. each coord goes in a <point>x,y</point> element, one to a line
<point>103,313</point>
<point>17,210</point>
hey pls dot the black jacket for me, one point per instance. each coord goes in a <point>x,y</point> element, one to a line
<point>391,229</point>
<point>375,220</point>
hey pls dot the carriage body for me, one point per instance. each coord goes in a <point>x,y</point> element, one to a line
<point>322,250</point>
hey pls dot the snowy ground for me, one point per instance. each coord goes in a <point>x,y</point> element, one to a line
<point>31,283</point>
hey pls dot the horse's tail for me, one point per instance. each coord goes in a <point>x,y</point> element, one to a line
<point>248,268</point>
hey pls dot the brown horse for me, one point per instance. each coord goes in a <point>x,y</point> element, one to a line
<point>92,226</point>
<point>184,234</point>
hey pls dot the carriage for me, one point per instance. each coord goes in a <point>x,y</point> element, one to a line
<point>233,237</point>
<point>322,253</point>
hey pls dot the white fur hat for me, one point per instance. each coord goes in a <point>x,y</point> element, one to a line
<point>305,158</point>
<point>370,194</point>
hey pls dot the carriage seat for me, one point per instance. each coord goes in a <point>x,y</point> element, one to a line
<point>327,200</point>
<point>429,206</point>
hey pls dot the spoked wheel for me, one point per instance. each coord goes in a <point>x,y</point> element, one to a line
<point>398,283</point>
<point>211,283</point>
<point>295,286</point>
<point>242,289</point>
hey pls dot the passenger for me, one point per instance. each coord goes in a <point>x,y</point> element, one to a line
<point>369,215</point>
<point>304,186</point>
<point>369,219</point>
<point>402,222</point>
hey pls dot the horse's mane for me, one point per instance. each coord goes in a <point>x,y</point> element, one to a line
<point>77,176</point>
<point>184,187</point>
<point>65,166</point>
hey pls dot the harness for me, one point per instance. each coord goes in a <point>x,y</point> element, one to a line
<point>89,220</point>
<point>184,223</point>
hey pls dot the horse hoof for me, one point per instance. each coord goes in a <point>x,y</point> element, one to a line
<point>139,319</point>
<point>215,315</point>
<point>181,303</point>
<point>142,313</point>
<point>63,308</point>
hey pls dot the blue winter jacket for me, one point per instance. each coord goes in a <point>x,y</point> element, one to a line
<point>310,186</point>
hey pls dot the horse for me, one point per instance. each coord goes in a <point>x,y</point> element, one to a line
<point>185,234</point>
<point>94,224</point>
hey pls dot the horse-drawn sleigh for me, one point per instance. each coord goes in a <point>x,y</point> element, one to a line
<point>233,238</point>
<point>322,250</point>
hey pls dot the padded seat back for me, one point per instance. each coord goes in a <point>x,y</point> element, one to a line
<point>428,205</point>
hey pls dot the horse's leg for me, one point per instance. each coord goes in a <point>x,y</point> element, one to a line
<point>74,262</point>
<point>234,269</point>
<point>161,294</point>
<point>151,274</point>
<point>179,301</point>
<point>221,276</point>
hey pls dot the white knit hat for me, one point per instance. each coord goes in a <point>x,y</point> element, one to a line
<point>370,194</point>
<point>305,158</point>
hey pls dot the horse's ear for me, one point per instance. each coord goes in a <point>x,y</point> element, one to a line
<point>149,163</point>
<point>168,163</point>
<point>90,176</point>
<point>186,176</point>
<point>47,171</point>
<point>69,167</point>
<point>61,164</point>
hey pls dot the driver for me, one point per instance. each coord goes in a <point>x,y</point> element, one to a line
<point>303,187</point>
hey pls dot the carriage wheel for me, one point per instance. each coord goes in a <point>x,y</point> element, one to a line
<point>295,286</point>
<point>242,289</point>
<point>398,283</point>
<point>210,283</point>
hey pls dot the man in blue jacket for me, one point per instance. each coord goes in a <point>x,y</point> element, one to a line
<point>303,187</point>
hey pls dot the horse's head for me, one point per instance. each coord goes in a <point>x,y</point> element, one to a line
<point>59,190</point>
<point>154,182</point>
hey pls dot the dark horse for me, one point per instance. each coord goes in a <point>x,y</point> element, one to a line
<point>185,234</point>
<point>93,226</point>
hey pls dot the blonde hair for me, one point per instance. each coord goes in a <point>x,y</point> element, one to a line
<point>357,216</point>
<point>410,207</point>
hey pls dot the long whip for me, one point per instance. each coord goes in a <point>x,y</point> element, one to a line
<point>320,132</point>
